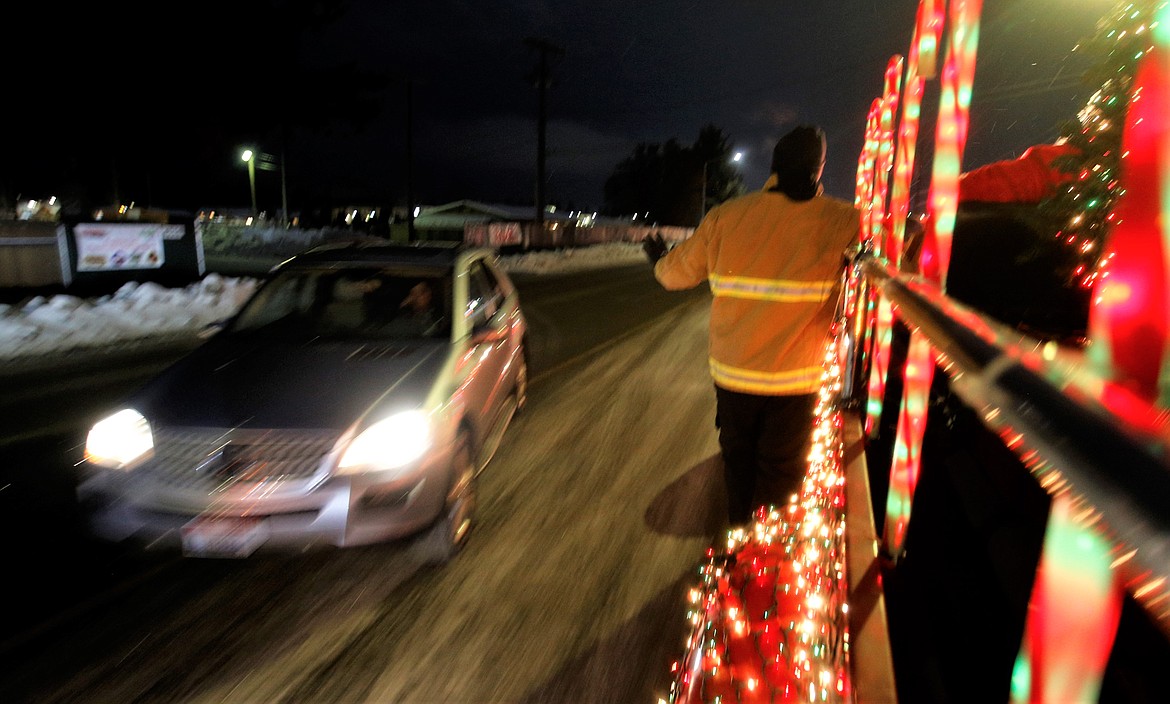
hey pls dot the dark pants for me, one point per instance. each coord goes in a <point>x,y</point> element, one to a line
<point>764,441</point>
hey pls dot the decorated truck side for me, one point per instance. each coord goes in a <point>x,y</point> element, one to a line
<point>986,510</point>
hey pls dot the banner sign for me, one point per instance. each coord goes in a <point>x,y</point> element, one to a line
<point>115,247</point>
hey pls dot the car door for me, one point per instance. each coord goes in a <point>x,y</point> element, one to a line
<point>488,323</point>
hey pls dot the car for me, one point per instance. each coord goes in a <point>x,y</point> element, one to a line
<point>354,398</point>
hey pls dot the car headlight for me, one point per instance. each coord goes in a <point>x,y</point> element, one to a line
<point>390,443</point>
<point>119,440</point>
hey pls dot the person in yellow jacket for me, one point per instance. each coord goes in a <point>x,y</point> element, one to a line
<point>773,260</point>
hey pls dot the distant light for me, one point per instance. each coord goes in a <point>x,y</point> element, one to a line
<point>246,155</point>
<point>52,200</point>
<point>738,156</point>
<point>417,210</point>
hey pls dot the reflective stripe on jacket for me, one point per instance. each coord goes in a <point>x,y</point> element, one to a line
<point>773,265</point>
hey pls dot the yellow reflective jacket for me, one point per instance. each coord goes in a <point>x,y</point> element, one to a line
<point>774,267</point>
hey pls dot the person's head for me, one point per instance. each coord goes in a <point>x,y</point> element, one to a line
<point>420,297</point>
<point>798,161</point>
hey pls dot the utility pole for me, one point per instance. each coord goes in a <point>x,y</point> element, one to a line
<point>542,83</point>
<point>283,182</point>
<point>410,160</point>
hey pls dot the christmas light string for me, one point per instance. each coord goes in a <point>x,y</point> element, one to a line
<point>769,619</point>
<point>878,218</point>
<point>1086,205</point>
<point>958,76</point>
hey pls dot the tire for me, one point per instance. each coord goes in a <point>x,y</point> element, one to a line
<point>447,536</point>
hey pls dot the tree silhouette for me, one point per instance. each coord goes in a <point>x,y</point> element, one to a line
<point>664,181</point>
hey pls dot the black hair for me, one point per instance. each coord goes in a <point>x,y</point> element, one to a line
<point>797,160</point>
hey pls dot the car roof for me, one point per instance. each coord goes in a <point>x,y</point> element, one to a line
<point>361,253</point>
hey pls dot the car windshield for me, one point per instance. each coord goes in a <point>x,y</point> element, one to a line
<point>375,304</point>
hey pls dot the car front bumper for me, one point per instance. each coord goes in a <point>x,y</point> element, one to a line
<point>295,515</point>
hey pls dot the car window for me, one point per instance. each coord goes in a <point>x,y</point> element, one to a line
<point>277,299</point>
<point>483,294</point>
<point>357,303</point>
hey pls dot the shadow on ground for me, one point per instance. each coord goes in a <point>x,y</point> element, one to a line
<point>694,505</point>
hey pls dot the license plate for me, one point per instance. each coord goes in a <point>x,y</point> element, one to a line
<point>223,537</point>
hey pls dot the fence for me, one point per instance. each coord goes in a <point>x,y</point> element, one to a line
<point>528,235</point>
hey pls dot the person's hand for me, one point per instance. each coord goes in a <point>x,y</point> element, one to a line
<point>654,247</point>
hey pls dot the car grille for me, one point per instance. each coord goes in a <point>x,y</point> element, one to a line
<point>216,459</point>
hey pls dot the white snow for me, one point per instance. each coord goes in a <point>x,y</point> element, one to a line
<point>148,312</point>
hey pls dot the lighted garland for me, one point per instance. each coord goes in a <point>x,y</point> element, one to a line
<point>958,75</point>
<point>861,295</point>
<point>768,621</point>
<point>879,234</point>
<point>1086,205</point>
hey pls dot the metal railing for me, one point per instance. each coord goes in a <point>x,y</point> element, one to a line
<point>1100,452</point>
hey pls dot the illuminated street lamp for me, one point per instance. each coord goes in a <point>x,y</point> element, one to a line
<point>249,156</point>
<point>735,159</point>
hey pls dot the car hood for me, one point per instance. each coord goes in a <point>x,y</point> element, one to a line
<point>236,383</point>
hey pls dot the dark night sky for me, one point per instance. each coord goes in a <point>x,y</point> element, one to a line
<point>155,105</point>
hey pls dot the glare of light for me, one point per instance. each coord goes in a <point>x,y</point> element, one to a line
<point>392,442</point>
<point>738,157</point>
<point>246,155</point>
<point>417,210</point>
<point>119,439</point>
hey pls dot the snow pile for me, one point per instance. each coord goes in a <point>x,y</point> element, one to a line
<point>579,259</point>
<point>134,311</point>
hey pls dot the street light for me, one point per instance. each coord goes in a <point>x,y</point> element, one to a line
<point>250,157</point>
<point>735,159</point>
